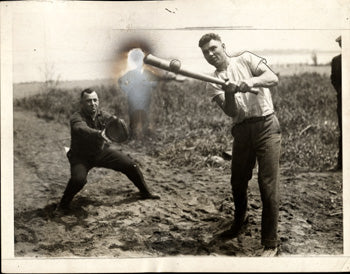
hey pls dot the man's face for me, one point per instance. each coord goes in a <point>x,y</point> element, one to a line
<point>89,103</point>
<point>214,53</point>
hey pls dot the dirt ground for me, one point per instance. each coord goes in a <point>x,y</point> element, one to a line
<point>109,220</point>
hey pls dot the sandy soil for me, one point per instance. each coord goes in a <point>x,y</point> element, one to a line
<point>109,220</point>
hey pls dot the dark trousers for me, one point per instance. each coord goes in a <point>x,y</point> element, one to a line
<point>340,140</point>
<point>261,141</point>
<point>107,158</point>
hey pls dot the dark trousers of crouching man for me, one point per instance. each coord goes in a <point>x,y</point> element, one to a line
<point>257,139</point>
<point>108,158</point>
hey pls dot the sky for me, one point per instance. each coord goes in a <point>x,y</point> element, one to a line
<point>80,40</point>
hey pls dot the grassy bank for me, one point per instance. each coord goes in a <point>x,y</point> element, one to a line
<point>190,129</point>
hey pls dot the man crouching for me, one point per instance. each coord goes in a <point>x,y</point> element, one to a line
<point>90,148</point>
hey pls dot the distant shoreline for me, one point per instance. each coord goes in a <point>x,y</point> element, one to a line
<point>291,69</point>
<point>25,89</point>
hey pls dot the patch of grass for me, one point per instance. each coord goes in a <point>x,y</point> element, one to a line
<point>306,107</point>
<point>190,128</point>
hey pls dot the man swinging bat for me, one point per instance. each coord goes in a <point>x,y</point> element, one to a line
<point>90,147</point>
<point>256,132</point>
<point>240,86</point>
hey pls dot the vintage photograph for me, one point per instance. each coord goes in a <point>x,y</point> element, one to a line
<point>170,129</point>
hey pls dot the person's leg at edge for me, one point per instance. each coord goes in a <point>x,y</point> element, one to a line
<point>118,161</point>
<point>340,141</point>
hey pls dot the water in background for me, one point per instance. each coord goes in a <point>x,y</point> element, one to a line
<point>323,58</point>
<point>103,70</point>
<point>275,59</point>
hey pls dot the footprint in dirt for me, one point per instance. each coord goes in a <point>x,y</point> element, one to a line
<point>77,212</point>
<point>69,218</point>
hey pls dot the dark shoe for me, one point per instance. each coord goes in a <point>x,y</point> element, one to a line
<point>145,196</point>
<point>62,209</point>
<point>234,230</point>
<point>269,252</point>
<point>336,168</point>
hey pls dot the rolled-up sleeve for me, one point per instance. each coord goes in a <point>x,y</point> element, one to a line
<point>253,61</point>
<point>213,90</point>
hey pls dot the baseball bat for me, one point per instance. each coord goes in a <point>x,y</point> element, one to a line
<point>175,66</point>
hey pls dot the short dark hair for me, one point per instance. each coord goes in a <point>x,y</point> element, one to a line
<point>88,91</point>
<point>207,37</point>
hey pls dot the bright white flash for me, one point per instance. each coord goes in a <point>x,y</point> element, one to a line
<point>135,59</point>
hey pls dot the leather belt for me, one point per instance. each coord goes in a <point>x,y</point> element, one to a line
<point>255,119</point>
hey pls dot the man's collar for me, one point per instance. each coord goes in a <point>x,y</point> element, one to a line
<point>225,65</point>
<point>87,115</point>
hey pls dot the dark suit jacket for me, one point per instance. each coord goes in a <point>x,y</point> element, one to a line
<point>86,140</point>
<point>336,73</point>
